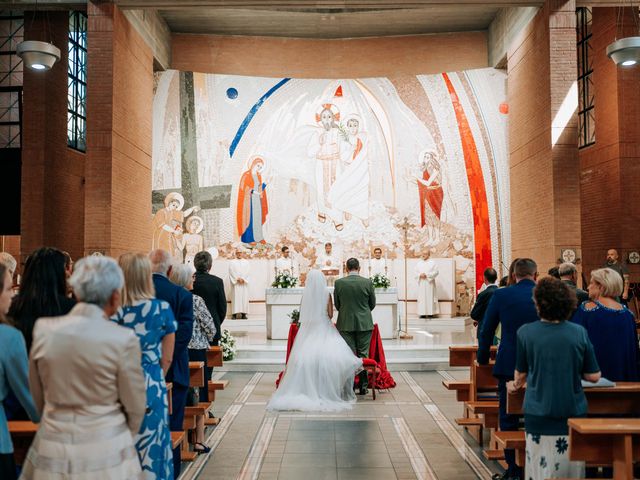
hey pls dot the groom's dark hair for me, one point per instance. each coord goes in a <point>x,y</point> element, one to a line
<point>353,264</point>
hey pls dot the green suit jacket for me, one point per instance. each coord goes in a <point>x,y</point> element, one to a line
<point>354,297</point>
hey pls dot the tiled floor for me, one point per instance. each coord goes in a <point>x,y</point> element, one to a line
<point>407,433</point>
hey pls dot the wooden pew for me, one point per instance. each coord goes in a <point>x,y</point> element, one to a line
<point>22,433</point>
<point>465,355</point>
<point>169,389</point>
<point>196,374</point>
<point>215,385</point>
<point>623,399</point>
<point>606,440</point>
<point>481,409</point>
<point>214,357</point>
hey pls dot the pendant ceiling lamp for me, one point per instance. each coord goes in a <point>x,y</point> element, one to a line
<point>36,54</point>
<point>626,51</point>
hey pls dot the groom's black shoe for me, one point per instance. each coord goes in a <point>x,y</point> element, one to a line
<point>363,391</point>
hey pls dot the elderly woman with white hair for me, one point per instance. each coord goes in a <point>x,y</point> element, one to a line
<point>611,327</point>
<point>86,379</point>
<point>204,332</point>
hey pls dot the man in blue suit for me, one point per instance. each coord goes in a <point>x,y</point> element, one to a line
<point>181,302</point>
<point>511,307</point>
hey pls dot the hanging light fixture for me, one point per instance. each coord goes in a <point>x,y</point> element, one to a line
<point>626,51</point>
<point>38,55</point>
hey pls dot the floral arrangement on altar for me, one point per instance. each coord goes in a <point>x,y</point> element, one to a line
<point>381,281</point>
<point>228,344</point>
<point>285,280</point>
<point>294,316</point>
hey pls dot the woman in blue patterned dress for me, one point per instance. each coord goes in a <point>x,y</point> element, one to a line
<point>154,324</point>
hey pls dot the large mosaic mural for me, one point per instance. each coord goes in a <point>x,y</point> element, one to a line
<point>407,164</point>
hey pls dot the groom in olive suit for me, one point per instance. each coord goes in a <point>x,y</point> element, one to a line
<point>355,297</point>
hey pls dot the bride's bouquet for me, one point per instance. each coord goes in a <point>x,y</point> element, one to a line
<point>285,280</point>
<point>380,281</point>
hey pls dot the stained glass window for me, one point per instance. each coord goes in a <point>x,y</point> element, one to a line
<point>77,82</point>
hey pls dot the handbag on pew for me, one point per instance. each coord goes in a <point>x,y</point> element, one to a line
<point>193,396</point>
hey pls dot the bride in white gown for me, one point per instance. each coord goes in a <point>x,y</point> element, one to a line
<point>321,368</point>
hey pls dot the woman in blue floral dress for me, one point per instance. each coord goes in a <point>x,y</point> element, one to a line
<point>154,324</point>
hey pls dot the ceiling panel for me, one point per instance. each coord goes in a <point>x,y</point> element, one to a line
<point>329,24</point>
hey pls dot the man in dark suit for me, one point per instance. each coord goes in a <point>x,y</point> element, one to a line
<point>181,302</point>
<point>211,289</point>
<point>511,307</point>
<point>569,275</point>
<point>482,302</point>
<point>355,297</point>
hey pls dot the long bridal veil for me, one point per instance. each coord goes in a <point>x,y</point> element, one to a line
<point>319,374</point>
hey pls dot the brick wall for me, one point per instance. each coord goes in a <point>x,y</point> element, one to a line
<point>545,208</point>
<point>610,169</point>
<point>118,176</point>
<point>345,58</point>
<point>52,174</point>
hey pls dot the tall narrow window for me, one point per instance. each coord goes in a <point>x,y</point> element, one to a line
<point>77,81</point>
<point>586,113</point>
<point>11,34</point>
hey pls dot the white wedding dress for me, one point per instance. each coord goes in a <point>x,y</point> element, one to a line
<point>321,368</point>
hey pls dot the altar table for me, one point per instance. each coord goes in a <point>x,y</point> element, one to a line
<point>281,302</point>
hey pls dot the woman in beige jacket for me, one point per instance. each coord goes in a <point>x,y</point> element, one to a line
<point>86,380</point>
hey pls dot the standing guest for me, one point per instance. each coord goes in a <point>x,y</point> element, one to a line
<point>569,276</point>
<point>211,289</point>
<point>553,272</point>
<point>10,263</point>
<point>482,302</point>
<point>553,357</point>
<point>181,302</point>
<point>43,292</point>
<point>68,270</point>
<point>622,270</point>
<point>13,372</point>
<point>239,276</point>
<point>611,327</point>
<point>153,322</point>
<point>426,272</point>
<point>204,331</point>
<point>87,382</point>
<point>511,307</point>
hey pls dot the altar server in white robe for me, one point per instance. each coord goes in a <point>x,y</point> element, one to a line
<point>378,265</point>
<point>239,277</point>
<point>285,263</point>
<point>328,261</point>
<point>426,272</point>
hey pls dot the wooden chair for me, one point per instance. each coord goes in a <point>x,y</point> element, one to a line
<point>371,366</point>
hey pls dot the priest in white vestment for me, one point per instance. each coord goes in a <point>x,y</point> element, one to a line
<point>285,264</point>
<point>378,265</point>
<point>426,272</point>
<point>329,264</point>
<point>239,277</point>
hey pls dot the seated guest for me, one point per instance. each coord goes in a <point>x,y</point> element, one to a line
<point>482,302</point>
<point>43,292</point>
<point>13,371</point>
<point>611,327</point>
<point>553,356</point>
<point>153,322</point>
<point>569,276</point>
<point>511,308</point>
<point>181,302</point>
<point>204,330</point>
<point>87,383</point>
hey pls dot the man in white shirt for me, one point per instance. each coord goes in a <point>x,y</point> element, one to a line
<point>329,264</point>
<point>377,265</point>
<point>426,272</point>
<point>239,276</point>
<point>284,264</point>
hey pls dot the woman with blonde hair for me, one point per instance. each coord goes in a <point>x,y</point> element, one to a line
<point>153,322</point>
<point>204,331</point>
<point>611,327</point>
